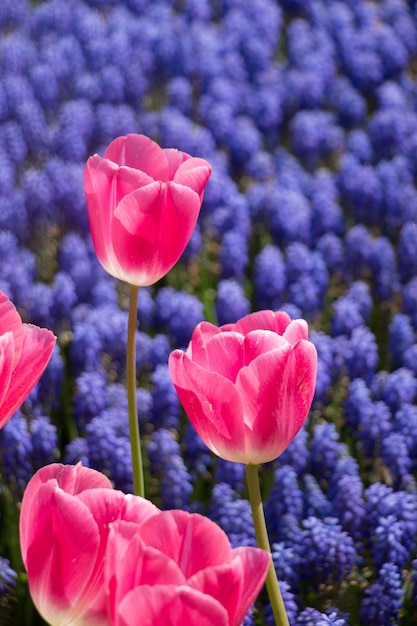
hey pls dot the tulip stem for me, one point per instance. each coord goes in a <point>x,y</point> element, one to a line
<point>261,533</point>
<point>137,464</point>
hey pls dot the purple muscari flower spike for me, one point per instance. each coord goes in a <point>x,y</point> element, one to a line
<point>233,514</point>
<point>233,257</point>
<point>231,473</point>
<point>401,337</point>
<point>346,495</point>
<point>14,142</point>
<point>327,215</point>
<point>346,316</point>
<point>285,498</point>
<point>16,449</point>
<point>374,425</point>
<point>382,502</point>
<point>159,350</point>
<point>383,266</point>
<point>324,346</point>
<point>64,298</point>
<point>349,104</point>
<point>331,248</point>
<point>359,146</point>
<point>407,264</point>
<point>328,553</point>
<point>269,278</point>
<point>358,245</point>
<point>167,464</point>
<point>243,142</point>
<point>231,302</point>
<point>290,217</point>
<point>196,454</point>
<point>313,617</point>
<point>286,562</point>
<point>178,312</point>
<point>49,387</point>
<point>315,136</point>
<point>405,423</point>
<point>395,388</point>
<point>296,455</point>
<point>89,396</point>
<point>165,411</point>
<point>382,600</point>
<point>109,448</point>
<point>86,346</point>
<point>388,542</point>
<point>7,579</point>
<point>410,300</point>
<point>290,604</point>
<point>44,441</point>
<point>77,450</point>
<point>325,450</point>
<point>316,502</point>
<point>396,459</point>
<point>361,355</point>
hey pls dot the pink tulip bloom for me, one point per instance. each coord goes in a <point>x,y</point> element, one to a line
<point>25,351</point>
<point>65,520</point>
<point>179,568</point>
<point>247,387</point>
<point>143,204</point>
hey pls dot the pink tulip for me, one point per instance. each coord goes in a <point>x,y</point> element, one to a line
<point>65,520</point>
<point>179,568</point>
<point>247,387</point>
<point>143,204</point>
<point>25,351</point>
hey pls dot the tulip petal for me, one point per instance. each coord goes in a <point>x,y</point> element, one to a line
<point>192,541</point>
<point>105,186</point>
<point>225,354</point>
<point>130,563</point>
<point>37,348</point>
<point>73,479</point>
<point>237,584</point>
<point>193,173</point>
<point>263,320</point>
<point>258,342</point>
<point>277,390</point>
<point>61,554</point>
<point>153,226</point>
<point>141,153</point>
<point>296,330</point>
<point>253,564</point>
<point>7,354</point>
<point>197,348</point>
<point>175,158</point>
<point>212,404</point>
<point>10,320</point>
<point>170,606</point>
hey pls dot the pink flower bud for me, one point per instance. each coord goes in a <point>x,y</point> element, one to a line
<point>247,387</point>
<point>143,204</point>
<point>25,351</point>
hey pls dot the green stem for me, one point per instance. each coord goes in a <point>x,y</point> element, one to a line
<point>137,465</point>
<point>271,581</point>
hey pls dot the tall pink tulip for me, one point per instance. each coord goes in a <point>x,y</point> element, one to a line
<point>25,351</point>
<point>64,525</point>
<point>179,568</point>
<point>247,387</point>
<point>143,204</point>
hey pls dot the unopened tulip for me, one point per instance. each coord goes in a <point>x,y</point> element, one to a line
<point>65,520</point>
<point>247,387</point>
<point>179,568</point>
<point>25,351</point>
<point>143,204</point>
